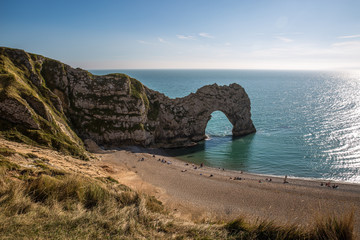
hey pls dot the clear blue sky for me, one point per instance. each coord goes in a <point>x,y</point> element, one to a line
<point>303,34</point>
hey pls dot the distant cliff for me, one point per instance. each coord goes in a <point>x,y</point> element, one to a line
<point>49,103</point>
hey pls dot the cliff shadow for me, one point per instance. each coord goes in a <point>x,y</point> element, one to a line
<point>221,152</point>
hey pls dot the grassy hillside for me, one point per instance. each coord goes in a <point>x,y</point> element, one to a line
<point>29,111</point>
<point>41,201</point>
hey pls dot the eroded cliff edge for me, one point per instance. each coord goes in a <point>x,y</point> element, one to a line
<point>44,100</point>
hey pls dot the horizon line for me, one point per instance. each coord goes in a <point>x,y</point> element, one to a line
<point>245,69</point>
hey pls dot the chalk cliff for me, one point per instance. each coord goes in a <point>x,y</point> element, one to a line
<point>46,101</point>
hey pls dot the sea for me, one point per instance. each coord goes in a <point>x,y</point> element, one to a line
<point>308,122</point>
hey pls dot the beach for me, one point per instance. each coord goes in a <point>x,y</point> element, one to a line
<point>204,193</point>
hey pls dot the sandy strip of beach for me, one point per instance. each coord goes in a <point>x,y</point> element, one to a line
<point>204,193</point>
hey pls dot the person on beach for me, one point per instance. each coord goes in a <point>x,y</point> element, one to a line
<point>285,179</point>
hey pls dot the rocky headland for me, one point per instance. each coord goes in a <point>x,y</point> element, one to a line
<point>45,193</point>
<point>51,103</point>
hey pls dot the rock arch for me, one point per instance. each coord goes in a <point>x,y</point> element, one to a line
<point>183,121</point>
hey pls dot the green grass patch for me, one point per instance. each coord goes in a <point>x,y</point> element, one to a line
<point>6,152</point>
<point>46,169</point>
<point>31,155</point>
<point>154,205</point>
<point>55,140</point>
<point>8,165</point>
<point>108,179</point>
<point>137,91</point>
<point>154,110</point>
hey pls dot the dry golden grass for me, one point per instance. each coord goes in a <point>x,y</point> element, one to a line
<point>50,204</point>
<point>323,228</point>
<point>74,207</point>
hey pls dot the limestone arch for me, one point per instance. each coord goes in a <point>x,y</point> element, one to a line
<point>182,121</point>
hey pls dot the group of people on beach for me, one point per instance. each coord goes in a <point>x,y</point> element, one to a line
<point>328,184</point>
<point>164,161</point>
<point>195,168</point>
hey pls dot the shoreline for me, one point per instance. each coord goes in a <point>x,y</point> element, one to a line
<point>164,153</point>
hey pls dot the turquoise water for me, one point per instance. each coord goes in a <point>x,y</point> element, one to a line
<point>308,123</point>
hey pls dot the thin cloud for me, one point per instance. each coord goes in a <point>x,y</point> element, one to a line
<point>162,40</point>
<point>350,36</point>
<point>205,35</point>
<point>347,44</point>
<point>284,39</point>
<point>183,37</point>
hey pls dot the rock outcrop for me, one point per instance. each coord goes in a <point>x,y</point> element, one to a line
<point>112,110</point>
<point>182,121</point>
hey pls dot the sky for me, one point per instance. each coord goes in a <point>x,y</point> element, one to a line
<point>187,34</point>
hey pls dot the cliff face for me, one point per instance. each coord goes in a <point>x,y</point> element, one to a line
<point>112,110</point>
<point>29,111</point>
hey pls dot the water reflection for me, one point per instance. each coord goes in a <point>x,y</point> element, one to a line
<point>223,152</point>
<point>241,149</point>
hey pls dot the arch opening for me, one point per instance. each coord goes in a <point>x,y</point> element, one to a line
<point>218,125</point>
